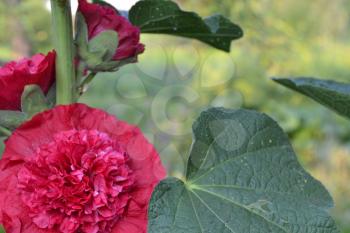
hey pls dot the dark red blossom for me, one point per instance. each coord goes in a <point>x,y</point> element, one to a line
<point>15,75</point>
<point>75,169</point>
<point>100,18</point>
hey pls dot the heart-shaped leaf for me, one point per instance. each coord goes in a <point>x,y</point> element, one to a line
<point>33,100</point>
<point>165,17</point>
<point>333,95</point>
<point>242,177</point>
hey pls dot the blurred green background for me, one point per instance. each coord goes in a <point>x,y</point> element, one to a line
<point>177,78</point>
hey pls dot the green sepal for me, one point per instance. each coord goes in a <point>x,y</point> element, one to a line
<point>4,132</point>
<point>112,66</point>
<point>81,37</point>
<point>99,50</point>
<point>102,47</point>
<point>11,119</point>
<point>33,100</point>
<point>51,96</point>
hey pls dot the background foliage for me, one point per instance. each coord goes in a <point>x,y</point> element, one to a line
<point>289,38</point>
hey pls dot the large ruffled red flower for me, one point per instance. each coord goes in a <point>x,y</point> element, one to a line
<point>100,18</point>
<point>15,75</point>
<point>75,169</point>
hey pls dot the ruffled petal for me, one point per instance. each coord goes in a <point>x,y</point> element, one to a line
<point>14,76</point>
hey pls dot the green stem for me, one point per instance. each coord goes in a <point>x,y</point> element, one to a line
<point>86,81</point>
<point>63,41</point>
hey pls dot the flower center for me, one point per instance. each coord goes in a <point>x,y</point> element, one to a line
<point>79,182</point>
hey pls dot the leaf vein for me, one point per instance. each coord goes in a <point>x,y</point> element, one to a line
<point>216,215</point>
<point>195,212</point>
<point>244,207</point>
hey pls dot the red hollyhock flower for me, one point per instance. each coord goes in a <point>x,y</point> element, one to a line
<point>100,18</point>
<point>75,169</point>
<point>14,76</point>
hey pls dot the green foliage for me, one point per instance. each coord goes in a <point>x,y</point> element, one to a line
<point>242,176</point>
<point>165,17</point>
<point>287,38</point>
<point>334,95</point>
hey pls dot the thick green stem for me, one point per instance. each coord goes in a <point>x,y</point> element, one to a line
<point>63,41</point>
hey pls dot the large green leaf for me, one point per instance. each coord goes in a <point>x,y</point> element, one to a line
<point>333,95</point>
<point>165,17</point>
<point>242,177</point>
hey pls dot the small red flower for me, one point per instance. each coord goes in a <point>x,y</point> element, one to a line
<point>100,18</point>
<point>15,75</point>
<point>75,169</point>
